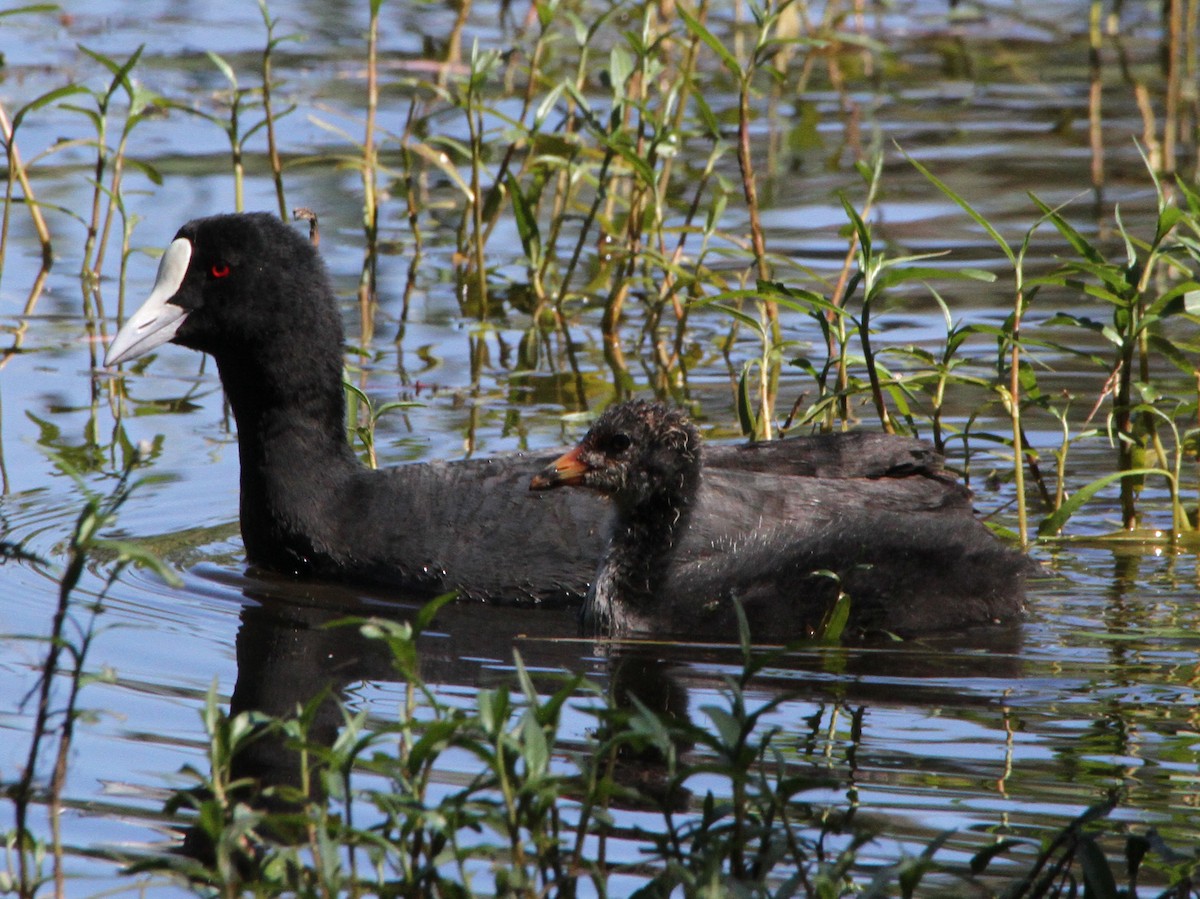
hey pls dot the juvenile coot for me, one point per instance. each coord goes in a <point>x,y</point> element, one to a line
<point>253,293</point>
<point>906,571</point>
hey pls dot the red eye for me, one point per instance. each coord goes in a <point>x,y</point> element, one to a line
<point>219,270</point>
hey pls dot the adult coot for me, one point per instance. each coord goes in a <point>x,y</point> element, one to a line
<point>253,293</point>
<point>906,571</point>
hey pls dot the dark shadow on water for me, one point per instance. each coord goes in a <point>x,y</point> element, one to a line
<point>294,643</point>
<point>288,652</point>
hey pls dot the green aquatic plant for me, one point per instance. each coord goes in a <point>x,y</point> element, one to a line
<point>608,222</point>
<point>472,232</point>
<point>64,668</point>
<point>240,101</point>
<point>1154,281</point>
<point>724,802</point>
<point>875,275</point>
<point>112,161</point>
<point>1010,367</point>
<point>364,415</point>
<point>270,115</point>
<point>17,170</point>
<point>368,280</point>
<point>766,19</point>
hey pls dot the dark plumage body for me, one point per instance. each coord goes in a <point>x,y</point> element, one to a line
<point>250,291</point>
<point>907,568</point>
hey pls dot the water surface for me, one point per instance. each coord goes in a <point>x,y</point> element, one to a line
<point>1009,733</point>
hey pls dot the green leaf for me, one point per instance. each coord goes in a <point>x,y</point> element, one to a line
<point>745,405</point>
<point>33,8</point>
<point>226,68</point>
<point>146,169</point>
<point>324,126</point>
<point>427,612</point>
<point>619,144</point>
<point>1077,241</point>
<point>438,733</point>
<point>706,116</point>
<point>1182,297</point>
<point>523,678</point>
<point>545,13</point>
<point>493,709</point>
<point>749,321</point>
<point>1167,220</point>
<point>527,226</point>
<point>1075,321</point>
<point>131,553</point>
<point>966,207</point>
<point>926,273</point>
<point>620,67</point>
<point>836,620</point>
<point>729,729</point>
<point>44,100</point>
<point>1098,878</point>
<point>1054,522</point>
<point>1131,257</point>
<point>1172,353</point>
<point>696,27</point>
<point>860,227</point>
<point>120,71</point>
<point>379,411</point>
<point>534,749</point>
<point>797,299</point>
<point>981,859</point>
<point>439,159</point>
<point>547,105</point>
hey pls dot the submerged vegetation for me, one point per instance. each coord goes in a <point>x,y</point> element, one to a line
<point>588,178</point>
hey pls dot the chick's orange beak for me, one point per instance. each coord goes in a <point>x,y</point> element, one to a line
<point>565,471</point>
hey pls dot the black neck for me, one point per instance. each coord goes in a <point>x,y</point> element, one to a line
<point>293,452</point>
<point>645,537</point>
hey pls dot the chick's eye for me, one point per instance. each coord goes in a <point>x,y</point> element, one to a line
<point>618,443</point>
<point>219,269</point>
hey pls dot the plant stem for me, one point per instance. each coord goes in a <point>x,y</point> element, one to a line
<point>479,264</point>
<point>272,146</point>
<point>17,170</point>
<point>367,279</point>
<point>1014,406</point>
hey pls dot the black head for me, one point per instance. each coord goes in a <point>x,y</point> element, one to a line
<point>636,452</point>
<point>229,283</point>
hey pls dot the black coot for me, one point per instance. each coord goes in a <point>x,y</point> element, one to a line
<point>905,570</point>
<point>253,293</point>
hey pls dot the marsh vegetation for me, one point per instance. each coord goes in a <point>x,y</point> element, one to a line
<point>979,224</point>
